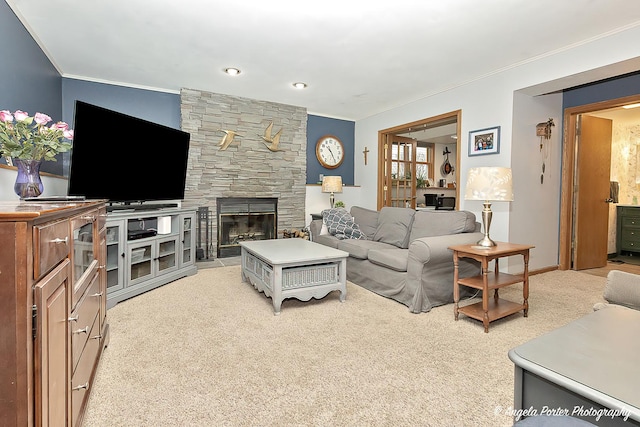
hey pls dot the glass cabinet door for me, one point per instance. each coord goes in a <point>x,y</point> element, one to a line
<point>187,236</point>
<point>82,249</point>
<point>167,254</point>
<point>115,256</point>
<point>85,254</point>
<point>140,257</point>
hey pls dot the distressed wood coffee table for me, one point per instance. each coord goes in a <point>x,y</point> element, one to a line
<point>293,268</point>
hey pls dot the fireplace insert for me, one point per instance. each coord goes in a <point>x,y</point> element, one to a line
<point>242,219</point>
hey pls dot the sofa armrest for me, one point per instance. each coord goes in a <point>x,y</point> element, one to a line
<point>435,249</point>
<point>623,288</point>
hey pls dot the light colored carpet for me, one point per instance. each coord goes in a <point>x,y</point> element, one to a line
<point>207,350</point>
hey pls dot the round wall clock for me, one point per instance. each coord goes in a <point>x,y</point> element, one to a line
<point>330,151</point>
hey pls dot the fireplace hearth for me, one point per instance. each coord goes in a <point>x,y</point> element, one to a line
<point>244,219</point>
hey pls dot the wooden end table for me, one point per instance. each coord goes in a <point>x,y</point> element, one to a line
<point>488,309</point>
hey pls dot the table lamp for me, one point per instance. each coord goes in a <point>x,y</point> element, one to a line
<point>332,184</point>
<point>488,184</point>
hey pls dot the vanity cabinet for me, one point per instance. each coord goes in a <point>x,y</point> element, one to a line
<point>52,310</point>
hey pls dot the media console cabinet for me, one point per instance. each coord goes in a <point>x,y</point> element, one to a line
<point>53,318</point>
<point>147,249</point>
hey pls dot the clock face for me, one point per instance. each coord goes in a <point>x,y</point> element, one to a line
<point>330,151</point>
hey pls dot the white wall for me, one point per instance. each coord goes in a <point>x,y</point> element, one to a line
<point>316,201</point>
<point>52,186</point>
<point>535,213</point>
<point>533,217</point>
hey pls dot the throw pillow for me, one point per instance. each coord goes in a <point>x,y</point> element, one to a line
<point>340,224</point>
<point>394,225</point>
<point>366,219</point>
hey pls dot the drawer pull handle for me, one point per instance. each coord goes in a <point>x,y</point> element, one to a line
<point>84,386</point>
<point>73,319</point>
<point>84,330</point>
<point>99,294</point>
<point>59,240</point>
<point>97,337</point>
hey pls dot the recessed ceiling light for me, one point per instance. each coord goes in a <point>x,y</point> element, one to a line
<point>232,71</point>
<point>300,85</point>
<point>632,105</point>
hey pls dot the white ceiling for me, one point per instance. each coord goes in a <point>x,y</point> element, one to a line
<point>359,58</point>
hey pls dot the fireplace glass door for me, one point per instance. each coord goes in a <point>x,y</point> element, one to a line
<point>242,220</point>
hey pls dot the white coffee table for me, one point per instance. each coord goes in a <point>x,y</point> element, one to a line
<point>293,268</point>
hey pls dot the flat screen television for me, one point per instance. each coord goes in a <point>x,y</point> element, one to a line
<point>124,159</point>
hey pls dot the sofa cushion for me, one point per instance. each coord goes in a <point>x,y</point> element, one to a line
<point>394,225</point>
<point>367,219</point>
<point>442,223</point>
<point>395,259</point>
<point>340,224</point>
<point>360,248</point>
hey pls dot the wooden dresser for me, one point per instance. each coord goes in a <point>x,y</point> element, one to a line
<point>53,324</point>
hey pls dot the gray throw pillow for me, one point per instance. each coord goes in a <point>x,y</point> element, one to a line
<point>394,225</point>
<point>442,223</point>
<point>366,219</point>
<point>340,224</point>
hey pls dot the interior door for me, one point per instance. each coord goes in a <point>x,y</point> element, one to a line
<point>399,186</point>
<point>591,192</point>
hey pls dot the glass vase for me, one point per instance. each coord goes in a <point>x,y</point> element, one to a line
<point>28,182</point>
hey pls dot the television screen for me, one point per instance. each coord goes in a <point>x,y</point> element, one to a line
<point>125,159</point>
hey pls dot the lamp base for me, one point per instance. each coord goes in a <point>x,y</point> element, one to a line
<point>486,242</point>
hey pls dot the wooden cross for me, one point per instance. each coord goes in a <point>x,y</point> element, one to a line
<point>365,152</point>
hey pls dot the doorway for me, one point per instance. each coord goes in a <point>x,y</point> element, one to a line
<point>409,160</point>
<point>576,223</point>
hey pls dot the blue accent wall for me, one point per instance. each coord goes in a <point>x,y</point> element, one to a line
<point>29,81</point>
<point>317,127</point>
<point>157,107</point>
<point>618,87</point>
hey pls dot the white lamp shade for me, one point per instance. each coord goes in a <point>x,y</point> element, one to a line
<point>489,183</point>
<point>332,184</point>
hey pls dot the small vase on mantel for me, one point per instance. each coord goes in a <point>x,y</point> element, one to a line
<point>28,182</point>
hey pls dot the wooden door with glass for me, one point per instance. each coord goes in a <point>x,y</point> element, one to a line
<point>399,170</point>
<point>407,155</point>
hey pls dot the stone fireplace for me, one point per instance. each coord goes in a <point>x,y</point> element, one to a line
<point>246,168</point>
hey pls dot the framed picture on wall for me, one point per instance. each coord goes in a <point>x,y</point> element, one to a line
<point>484,141</point>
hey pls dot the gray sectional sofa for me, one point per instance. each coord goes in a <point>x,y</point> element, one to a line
<point>401,253</point>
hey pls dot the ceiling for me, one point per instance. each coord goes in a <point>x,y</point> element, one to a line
<point>358,58</point>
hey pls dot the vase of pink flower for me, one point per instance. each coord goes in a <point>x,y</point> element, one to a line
<point>28,141</point>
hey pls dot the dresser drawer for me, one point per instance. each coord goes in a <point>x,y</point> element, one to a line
<point>630,242</point>
<point>83,318</point>
<point>81,379</point>
<point>631,222</point>
<point>50,246</point>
